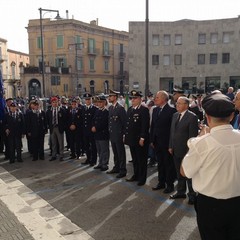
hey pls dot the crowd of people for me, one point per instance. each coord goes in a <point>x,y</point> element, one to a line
<point>157,131</point>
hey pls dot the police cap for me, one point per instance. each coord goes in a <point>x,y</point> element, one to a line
<point>113,93</point>
<point>135,93</point>
<point>218,105</point>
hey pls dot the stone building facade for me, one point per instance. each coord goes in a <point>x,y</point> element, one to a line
<point>198,56</point>
<point>78,57</point>
<point>11,62</point>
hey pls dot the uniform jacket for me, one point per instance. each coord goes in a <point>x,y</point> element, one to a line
<point>16,125</point>
<point>88,114</point>
<point>74,119</point>
<point>161,124</point>
<point>36,124</point>
<point>100,122</point>
<point>180,133</point>
<point>137,125</point>
<point>117,122</point>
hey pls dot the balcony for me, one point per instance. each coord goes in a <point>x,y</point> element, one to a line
<point>48,70</point>
<point>93,51</point>
<point>107,53</point>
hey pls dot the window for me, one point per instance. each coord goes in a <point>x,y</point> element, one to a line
<point>80,64</point>
<point>178,59</point>
<point>92,87</point>
<point>155,59</point>
<point>213,58</point>
<point>214,38</point>
<point>91,45</point>
<point>65,87</point>
<point>61,62</point>
<point>178,39</point>
<point>105,48</point>
<point>155,40</point>
<point>166,60</point>
<point>60,41</point>
<point>167,40</point>
<point>13,70</point>
<point>79,41</point>
<point>55,80</point>
<point>106,65</point>
<point>91,64</point>
<point>201,58</point>
<point>226,58</point>
<point>226,37</point>
<point>201,38</point>
<point>39,44</point>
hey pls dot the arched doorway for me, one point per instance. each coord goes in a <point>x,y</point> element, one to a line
<point>34,88</point>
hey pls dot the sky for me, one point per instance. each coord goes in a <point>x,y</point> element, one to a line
<point>114,14</point>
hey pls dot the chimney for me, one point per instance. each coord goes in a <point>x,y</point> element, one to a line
<point>67,16</point>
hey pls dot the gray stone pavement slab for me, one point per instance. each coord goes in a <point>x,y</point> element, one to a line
<point>97,205</point>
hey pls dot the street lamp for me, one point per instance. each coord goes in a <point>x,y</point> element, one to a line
<point>42,53</point>
<point>78,46</point>
<point>146,53</point>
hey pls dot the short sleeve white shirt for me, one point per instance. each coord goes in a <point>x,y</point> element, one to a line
<point>213,163</point>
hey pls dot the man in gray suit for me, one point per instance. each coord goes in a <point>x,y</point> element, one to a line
<point>184,126</point>
<point>117,123</point>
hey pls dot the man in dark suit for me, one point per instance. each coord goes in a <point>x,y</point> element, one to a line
<point>56,121</point>
<point>88,112</point>
<point>117,123</point>
<point>159,138</point>
<point>36,128</point>
<point>137,137</point>
<point>184,126</point>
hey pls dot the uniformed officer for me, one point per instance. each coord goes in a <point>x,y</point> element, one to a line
<point>101,133</point>
<point>88,112</point>
<point>36,128</point>
<point>137,137</point>
<point>117,123</point>
<point>74,128</point>
<point>14,126</point>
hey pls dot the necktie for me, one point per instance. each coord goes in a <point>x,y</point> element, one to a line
<point>54,117</point>
<point>178,119</point>
<point>159,110</point>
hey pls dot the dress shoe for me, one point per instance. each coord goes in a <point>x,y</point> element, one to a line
<point>132,179</point>
<point>168,190</point>
<point>61,159</point>
<point>86,162</point>
<point>72,157</point>
<point>177,196</point>
<point>121,175</point>
<point>112,171</point>
<point>42,158</point>
<point>104,169</point>
<point>130,161</point>
<point>158,187</point>
<point>141,183</point>
<point>20,160</point>
<point>92,164</point>
<point>52,159</point>
<point>34,159</point>
<point>97,167</point>
<point>191,200</point>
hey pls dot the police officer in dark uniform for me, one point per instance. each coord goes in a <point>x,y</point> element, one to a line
<point>74,129</point>
<point>117,123</point>
<point>137,137</point>
<point>88,112</point>
<point>36,128</point>
<point>14,126</point>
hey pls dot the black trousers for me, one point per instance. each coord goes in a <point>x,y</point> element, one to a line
<point>37,143</point>
<point>218,219</point>
<point>140,156</point>
<point>166,169</point>
<point>119,156</point>
<point>15,145</point>
<point>90,148</point>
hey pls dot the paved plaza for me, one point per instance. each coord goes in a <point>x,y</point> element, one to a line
<point>68,200</point>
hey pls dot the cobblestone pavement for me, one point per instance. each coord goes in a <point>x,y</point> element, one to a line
<point>10,227</point>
